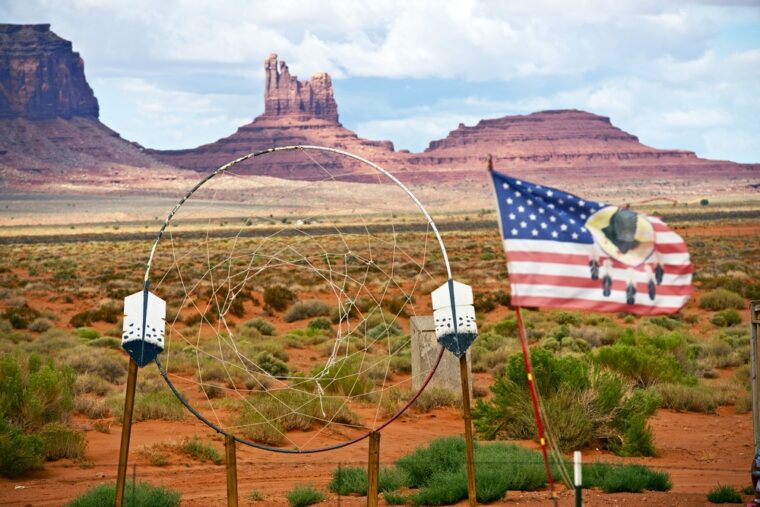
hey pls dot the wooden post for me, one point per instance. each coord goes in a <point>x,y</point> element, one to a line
<point>463,372</point>
<point>126,430</point>
<point>231,465</point>
<point>373,472</point>
<point>754,318</point>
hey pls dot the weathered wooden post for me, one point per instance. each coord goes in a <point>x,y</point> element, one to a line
<point>754,320</point>
<point>126,432</point>
<point>230,460</point>
<point>373,472</point>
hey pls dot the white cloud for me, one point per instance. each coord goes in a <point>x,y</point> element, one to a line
<point>673,72</point>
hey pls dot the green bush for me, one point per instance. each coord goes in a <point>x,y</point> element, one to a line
<point>688,398</point>
<point>437,472</point>
<point>435,397</point>
<point>161,404</point>
<point>204,452</point>
<point>278,297</point>
<point>140,495</point>
<point>648,360</point>
<point>726,318</point>
<point>344,377</point>
<point>392,498</point>
<point>265,417</point>
<point>584,404</point>
<point>264,327</point>
<point>21,316</point>
<point>19,452</point>
<point>303,496</point>
<point>724,494</point>
<point>87,333</point>
<point>270,364</point>
<point>60,441</point>
<point>630,478</point>
<point>721,299</point>
<point>320,323</point>
<point>35,393</point>
<point>353,480</point>
<point>306,310</point>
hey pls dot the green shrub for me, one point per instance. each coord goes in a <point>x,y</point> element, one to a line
<point>349,481</point>
<point>353,480</point>
<point>19,452</point>
<point>344,377</point>
<point>726,318</point>
<point>320,323</point>
<point>263,327</point>
<point>583,403</point>
<point>87,333</point>
<point>630,478</point>
<point>278,297</point>
<point>638,439</point>
<point>161,404</point>
<point>20,316</point>
<point>35,393</point>
<point>724,494</point>
<point>302,496</point>
<point>306,310</point>
<point>688,398</point>
<point>204,452</point>
<point>60,441</point>
<point>645,362</point>
<point>265,417</point>
<point>721,299</point>
<point>392,498</point>
<point>270,364</point>
<point>435,397</point>
<point>256,496</point>
<point>140,495</point>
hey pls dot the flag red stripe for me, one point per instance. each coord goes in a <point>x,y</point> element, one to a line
<point>582,260</point>
<point>596,306</point>
<point>588,283</point>
<point>668,248</point>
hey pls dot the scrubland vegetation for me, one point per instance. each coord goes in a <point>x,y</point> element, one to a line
<point>601,377</point>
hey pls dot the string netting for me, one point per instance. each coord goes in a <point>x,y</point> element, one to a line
<point>289,302</point>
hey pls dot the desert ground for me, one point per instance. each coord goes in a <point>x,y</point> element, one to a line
<point>63,277</point>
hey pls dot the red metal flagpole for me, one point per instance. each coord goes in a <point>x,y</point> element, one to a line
<point>534,397</point>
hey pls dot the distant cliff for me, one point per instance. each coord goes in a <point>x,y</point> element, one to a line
<point>41,77</point>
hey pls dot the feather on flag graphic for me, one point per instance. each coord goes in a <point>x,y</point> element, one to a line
<point>567,252</point>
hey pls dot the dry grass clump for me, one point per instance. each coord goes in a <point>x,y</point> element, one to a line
<point>721,299</point>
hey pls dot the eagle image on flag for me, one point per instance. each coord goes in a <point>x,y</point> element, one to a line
<point>567,252</point>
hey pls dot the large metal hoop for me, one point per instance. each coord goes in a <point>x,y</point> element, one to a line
<point>222,169</point>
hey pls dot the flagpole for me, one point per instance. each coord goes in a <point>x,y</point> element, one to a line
<point>534,399</point>
<point>526,359</point>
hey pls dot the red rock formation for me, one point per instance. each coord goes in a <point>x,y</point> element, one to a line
<point>295,112</point>
<point>40,76</point>
<point>49,127</point>
<point>285,95</point>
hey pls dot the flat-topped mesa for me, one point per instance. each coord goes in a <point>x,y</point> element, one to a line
<point>286,96</point>
<point>41,77</point>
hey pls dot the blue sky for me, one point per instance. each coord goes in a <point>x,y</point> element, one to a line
<point>180,73</point>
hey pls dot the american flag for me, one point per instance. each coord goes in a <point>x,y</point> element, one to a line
<point>567,252</point>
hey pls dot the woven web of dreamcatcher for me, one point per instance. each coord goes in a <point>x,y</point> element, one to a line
<point>351,261</point>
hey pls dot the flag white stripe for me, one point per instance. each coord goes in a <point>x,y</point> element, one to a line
<point>576,270</point>
<point>617,296</point>
<point>560,247</point>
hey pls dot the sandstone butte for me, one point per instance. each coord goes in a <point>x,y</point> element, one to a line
<point>49,129</point>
